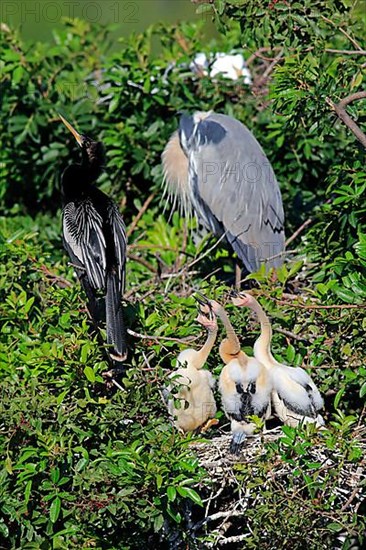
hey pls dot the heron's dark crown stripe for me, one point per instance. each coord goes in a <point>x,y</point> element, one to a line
<point>203,132</point>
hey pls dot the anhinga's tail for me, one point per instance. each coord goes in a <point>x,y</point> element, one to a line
<point>116,331</point>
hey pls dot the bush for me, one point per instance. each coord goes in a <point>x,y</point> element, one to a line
<point>94,462</point>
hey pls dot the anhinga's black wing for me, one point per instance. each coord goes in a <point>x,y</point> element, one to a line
<point>118,230</point>
<point>116,332</point>
<point>85,241</point>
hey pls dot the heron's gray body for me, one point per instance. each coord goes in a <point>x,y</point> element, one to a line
<point>229,183</point>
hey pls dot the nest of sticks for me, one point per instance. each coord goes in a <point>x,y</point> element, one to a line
<point>224,522</point>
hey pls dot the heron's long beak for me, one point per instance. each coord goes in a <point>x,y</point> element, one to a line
<point>76,134</point>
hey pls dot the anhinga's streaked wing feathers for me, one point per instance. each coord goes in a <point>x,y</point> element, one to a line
<point>83,234</point>
<point>118,229</point>
<point>297,391</point>
<point>234,185</point>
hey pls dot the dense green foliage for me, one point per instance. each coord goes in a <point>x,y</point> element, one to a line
<point>90,464</point>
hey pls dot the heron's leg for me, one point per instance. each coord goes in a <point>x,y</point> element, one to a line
<point>237,275</point>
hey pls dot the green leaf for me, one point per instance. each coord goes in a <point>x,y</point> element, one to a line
<point>171,493</point>
<point>18,75</point>
<point>203,8</point>
<point>193,495</point>
<point>158,522</point>
<point>89,373</point>
<point>27,491</point>
<point>55,509</point>
<point>8,465</point>
<point>338,397</point>
<point>55,475</point>
<point>336,527</point>
<point>159,481</point>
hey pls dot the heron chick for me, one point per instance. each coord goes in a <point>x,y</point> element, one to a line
<point>192,385</point>
<point>216,169</point>
<point>244,384</point>
<point>295,397</point>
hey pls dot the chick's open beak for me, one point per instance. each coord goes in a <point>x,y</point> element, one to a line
<point>76,134</point>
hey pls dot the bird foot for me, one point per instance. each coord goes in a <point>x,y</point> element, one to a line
<point>237,443</point>
<point>112,373</point>
<point>211,422</point>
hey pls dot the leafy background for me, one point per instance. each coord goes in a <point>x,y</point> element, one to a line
<point>87,463</point>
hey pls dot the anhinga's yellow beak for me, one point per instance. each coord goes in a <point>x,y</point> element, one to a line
<point>76,134</point>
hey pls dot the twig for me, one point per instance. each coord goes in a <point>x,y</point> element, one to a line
<point>352,496</point>
<point>345,33</point>
<point>61,281</point>
<point>335,306</point>
<point>140,213</point>
<point>298,231</point>
<point>291,335</point>
<point>205,253</point>
<point>346,52</point>
<point>344,116</point>
<point>283,253</point>
<point>218,515</point>
<point>353,97</point>
<point>187,340</point>
<point>264,77</point>
<point>142,261</point>
<point>231,540</point>
<point>185,268</point>
<point>258,53</point>
<point>151,246</point>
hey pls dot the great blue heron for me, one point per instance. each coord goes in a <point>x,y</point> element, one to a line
<point>295,397</point>
<point>217,170</point>
<point>195,383</point>
<point>244,384</point>
<point>95,238</point>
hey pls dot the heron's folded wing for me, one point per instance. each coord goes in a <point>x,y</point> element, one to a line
<point>236,182</point>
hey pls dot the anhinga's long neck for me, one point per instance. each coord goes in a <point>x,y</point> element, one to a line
<point>262,346</point>
<point>204,352</point>
<point>230,347</point>
<point>92,165</point>
<point>232,338</point>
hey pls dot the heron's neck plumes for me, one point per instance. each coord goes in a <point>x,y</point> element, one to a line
<point>175,168</point>
<point>204,352</point>
<point>262,346</point>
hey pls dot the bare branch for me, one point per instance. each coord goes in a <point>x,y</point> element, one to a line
<point>140,213</point>
<point>345,33</point>
<point>291,334</point>
<point>352,97</point>
<point>187,340</point>
<point>143,262</point>
<point>258,54</point>
<point>313,306</point>
<point>298,231</point>
<point>341,112</point>
<point>264,77</point>
<point>346,52</point>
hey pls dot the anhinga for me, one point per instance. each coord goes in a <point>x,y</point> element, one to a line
<point>295,397</point>
<point>94,236</point>
<point>244,384</point>
<point>193,385</point>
